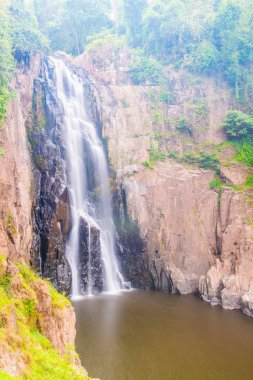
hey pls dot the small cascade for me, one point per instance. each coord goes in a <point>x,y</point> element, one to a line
<point>90,198</point>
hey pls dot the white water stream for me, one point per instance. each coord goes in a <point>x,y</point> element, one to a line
<point>80,137</point>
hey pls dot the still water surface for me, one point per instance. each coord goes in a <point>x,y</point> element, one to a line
<point>151,336</point>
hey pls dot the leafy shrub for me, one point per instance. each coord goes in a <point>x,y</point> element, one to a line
<point>146,69</point>
<point>204,160</point>
<point>165,97</point>
<point>154,156</point>
<point>2,151</point>
<point>184,126</point>
<point>173,155</point>
<point>205,58</point>
<point>245,152</point>
<point>238,125</point>
<point>216,183</point>
<point>249,181</point>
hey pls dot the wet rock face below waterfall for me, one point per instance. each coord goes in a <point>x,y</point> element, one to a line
<point>91,269</point>
<point>51,204</point>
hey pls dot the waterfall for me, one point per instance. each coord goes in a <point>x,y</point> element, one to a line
<point>87,173</point>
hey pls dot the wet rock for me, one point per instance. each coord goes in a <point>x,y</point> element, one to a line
<point>51,206</point>
<point>91,268</point>
<point>131,248</point>
<point>247,303</point>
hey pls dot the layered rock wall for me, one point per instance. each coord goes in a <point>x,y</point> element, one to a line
<point>188,237</point>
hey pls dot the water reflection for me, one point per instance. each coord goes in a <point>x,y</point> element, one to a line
<point>146,336</point>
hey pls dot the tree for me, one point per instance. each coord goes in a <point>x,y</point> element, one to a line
<point>6,59</point>
<point>133,11</point>
<point>24,27</point>
<point>238,125</point>
<point>71,22</point>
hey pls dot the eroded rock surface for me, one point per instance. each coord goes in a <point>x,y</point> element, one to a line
<point>21,187</point>
<point>91,269</point>
<point>186,239</point>
<point>229,282</point>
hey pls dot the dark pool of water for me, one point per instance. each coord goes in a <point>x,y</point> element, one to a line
<point>151,336</point>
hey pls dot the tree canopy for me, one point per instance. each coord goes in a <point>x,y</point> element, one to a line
<point>206,37</point>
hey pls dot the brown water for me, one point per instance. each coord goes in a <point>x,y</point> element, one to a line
<point>151,336</point>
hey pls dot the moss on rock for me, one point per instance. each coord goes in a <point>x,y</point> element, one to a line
<point>25,351</point>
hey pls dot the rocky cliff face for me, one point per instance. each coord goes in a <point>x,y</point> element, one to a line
<point>51,209</point>
<point>15,181</point>
<point>34,318</point>
<point>176,234</point>
<point>51,203</point>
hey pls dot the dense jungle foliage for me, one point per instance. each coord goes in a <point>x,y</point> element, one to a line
<point>206,37</point>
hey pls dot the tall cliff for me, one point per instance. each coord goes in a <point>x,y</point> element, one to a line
<point>178,231</point>
<point>37,325</point>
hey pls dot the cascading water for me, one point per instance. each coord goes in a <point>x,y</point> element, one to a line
<point>81,142</point>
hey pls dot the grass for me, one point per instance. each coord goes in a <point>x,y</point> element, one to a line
<point>42,360</point>
<point>4,376</point>
<point>11,224</point>
<point>57,299</point>
<point>217,185</point>
<point>249,182</point>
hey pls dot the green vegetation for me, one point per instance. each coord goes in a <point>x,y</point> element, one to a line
<point>20,302</point>
<point>155,155</point>
<point>203,160</point>
<point>184,126</point>
<point>10,224</point>
<point>249,182</point>
<point>69,23</point>
<point>165,97</point>
<point>244,152</point>
<point>104,41</point>
<point>146,70</point>
<point>2,151</point>
<point>4,376</point>
<point>18,29</point>
<point>238,125</point>
<point>217,185</point>
<point>239,128</point>
<point>6,59</point>
<point>24,28</point>
<point>207,37</point>
<point>133,14</point>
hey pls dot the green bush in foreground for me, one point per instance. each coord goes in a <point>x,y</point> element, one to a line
<point>41,359</point>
